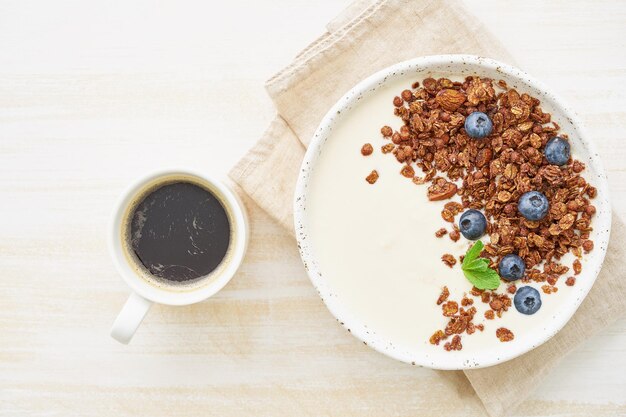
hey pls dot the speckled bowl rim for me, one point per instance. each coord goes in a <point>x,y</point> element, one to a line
<point>602,221</point>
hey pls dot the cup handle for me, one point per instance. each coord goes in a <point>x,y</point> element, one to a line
<point>130,318</point>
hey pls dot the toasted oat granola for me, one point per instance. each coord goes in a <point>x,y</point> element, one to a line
<point>490,175</point>
<point>448,259</point>
<point>495,171</point>
<point>367,149</point>
<point>504,334</point>
<point>443,296</point>
<point>372,177</point>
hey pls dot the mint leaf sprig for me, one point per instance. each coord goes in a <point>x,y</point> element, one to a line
<point>477,270</point>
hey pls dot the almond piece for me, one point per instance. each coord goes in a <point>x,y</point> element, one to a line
<point>441,190</point>
<point>450,99</point>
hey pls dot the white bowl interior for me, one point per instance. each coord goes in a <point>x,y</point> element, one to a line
<point>453,66</point>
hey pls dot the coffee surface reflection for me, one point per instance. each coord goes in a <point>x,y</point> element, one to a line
<point>180,232</point>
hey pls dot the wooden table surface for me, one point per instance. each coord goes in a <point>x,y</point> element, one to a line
<point>96,94</point>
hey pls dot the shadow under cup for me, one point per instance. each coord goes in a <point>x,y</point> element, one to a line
<point>147,271</point>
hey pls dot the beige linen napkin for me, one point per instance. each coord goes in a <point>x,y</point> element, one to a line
<point>365,38</point>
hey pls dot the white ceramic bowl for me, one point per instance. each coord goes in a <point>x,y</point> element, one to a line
<point>456,66</point>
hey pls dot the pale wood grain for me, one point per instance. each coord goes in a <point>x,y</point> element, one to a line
<point>93,95</point>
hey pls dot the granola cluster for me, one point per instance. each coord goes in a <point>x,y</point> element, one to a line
<point>460,321</point>
<point>495,171</point>
<point>498,303</point>
<point>490,175</point>
<point>504,334</point>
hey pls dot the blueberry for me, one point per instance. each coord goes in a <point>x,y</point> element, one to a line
<point>472,224</point>
<point>511,267</point>
<point>527,300</point>
<point>533,205</point>
<point>478,125</point>
<point>557,151</point>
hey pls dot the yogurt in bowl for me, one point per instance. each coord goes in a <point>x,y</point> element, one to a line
<point>371,250</point>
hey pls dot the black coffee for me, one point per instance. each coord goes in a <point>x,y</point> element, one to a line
<point>180,232</point>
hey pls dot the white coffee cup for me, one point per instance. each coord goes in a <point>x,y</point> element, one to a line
<point>146,292</point>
